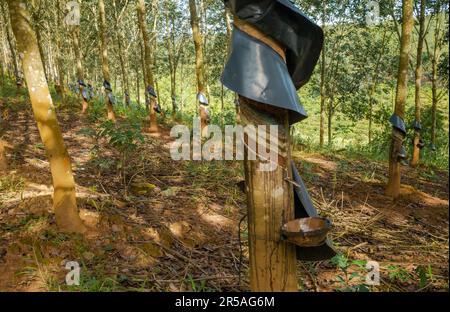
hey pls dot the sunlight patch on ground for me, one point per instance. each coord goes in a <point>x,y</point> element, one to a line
<point>325,164</point>
<point>208,215</point>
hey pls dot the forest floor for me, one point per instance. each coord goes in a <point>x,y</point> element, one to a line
<point>173,226</point>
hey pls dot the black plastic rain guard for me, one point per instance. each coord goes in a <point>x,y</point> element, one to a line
<point>157,108</point>
<point>151,91</point>
<point>85,94</point>
<point>81,83</point>
<point>111,98</point>
<point>281,20</point>
<point>202,99</point>
<point>255,71</point>
<point>398,123</point>
<point>417,125</point>
<point>107,85</point>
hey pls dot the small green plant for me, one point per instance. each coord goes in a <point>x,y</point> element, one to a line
<point>398,274</point>
<point>198,286</point>
<point>12,184</point>
<point>347,279</point>
<point>425,275</point>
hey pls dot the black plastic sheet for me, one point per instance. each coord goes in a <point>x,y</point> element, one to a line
<point>257,72</point>
<point>284,22</point>
<point>151,91</point>
<point>398,123</point>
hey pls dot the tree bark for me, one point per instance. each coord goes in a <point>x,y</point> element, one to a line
<point>64,200</point>
<point>418,75</point>
<point>104,57</point>
<point>199,58</point>
<point>149,78</point>
<point>393,186</point>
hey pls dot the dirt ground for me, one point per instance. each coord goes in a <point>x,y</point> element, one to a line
<point>171,226</point>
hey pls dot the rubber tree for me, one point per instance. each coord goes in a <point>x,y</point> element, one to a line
<point>174,48</point>
<point>199,62</point>
<point>272,262</point>
<point>12,48</point>
<point>148,63</point>
<point>323,63</point>
<point>64,200</point>
<point>435,54</point>
<point>266,70</point>
<point>417,142</point>
<point>79,65</point>
<point>60,46</point>
<point>122,53</point>
<point>399,132</point>
<point>109,97</point>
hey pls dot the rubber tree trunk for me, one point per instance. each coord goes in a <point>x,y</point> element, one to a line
<point>80,72</point>
<point>393,186</point>
<point>11,45</point>
<point>3,160</point>
<point>272,260</point>
<point>375,84</point>
<point>144,76</point>
<point>104,57</point>
<point>138,90</point>
<point>322,83</point>
<point>434,75</point>
<point>227,15</point>
<point>418,75</point>
<point>64,200</point>
<point>173,59</point>
<point>60,55</point>
<point>122,56</point>
<point>199,58</point>
<point>148,62</point>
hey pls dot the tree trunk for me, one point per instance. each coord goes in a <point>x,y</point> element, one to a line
<point>80,72</point>
<point>393,186</point>
<point>272,260</point>
<point>416,142</point>
<point>170,40</point>
<point>229,28</point>
<point>60,57</point>
<point>434,75</point>
<point>144,76</point>
<point>149,79</point>
<point>64,200</point>
<point>330,120</point>
<point>122,56</point>
<point>3,160</point>
<point>104,57</point>
<point>199,60</point>
<point>434,95</point>
<point>322,82</point>
<point>375,84</point>
<point>11,46</point>
<point>138,91</point>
